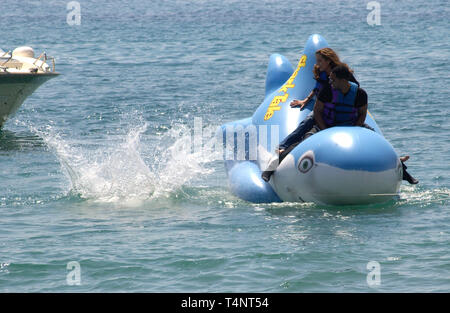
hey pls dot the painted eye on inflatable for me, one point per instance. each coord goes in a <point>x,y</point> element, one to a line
<point>305,164</point>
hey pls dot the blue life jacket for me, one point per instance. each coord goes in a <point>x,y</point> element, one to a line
<point>321,82</point>
<point>341,111</point>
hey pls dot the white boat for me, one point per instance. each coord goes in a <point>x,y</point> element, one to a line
<point>20,75</point>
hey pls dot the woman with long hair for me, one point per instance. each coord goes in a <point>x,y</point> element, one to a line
<point>326,60</point>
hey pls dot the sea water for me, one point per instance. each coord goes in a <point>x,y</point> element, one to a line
<point>97,195</point>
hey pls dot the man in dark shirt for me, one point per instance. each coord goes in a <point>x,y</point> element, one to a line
<point>339,82</point>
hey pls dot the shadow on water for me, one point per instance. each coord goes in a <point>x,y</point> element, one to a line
<point>408,198</point>
<point>285,208</point>
<point>20,141</point>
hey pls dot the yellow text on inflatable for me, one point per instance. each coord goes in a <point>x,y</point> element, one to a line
<point>274,104</point>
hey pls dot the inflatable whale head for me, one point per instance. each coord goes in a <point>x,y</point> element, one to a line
<point>339,165</point>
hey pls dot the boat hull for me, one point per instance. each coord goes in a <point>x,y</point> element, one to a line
<point>15,88</point>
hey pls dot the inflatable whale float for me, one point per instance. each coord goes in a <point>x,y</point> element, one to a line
<point>337,166</point>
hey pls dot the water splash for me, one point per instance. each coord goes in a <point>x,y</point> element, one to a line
<point>412,195</point>
<point>107,174</point>
<point>122,172</point>
<point>175,163</point>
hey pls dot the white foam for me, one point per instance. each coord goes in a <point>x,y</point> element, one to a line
<point>118,172</point>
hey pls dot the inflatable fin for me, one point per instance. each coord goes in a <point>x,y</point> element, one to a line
<point>246,183</point>
<point>243,171</point>
<point>278,72</point>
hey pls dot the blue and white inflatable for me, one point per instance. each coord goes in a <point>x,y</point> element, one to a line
<point>339,165</point>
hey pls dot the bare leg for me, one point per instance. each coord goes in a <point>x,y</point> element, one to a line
<point>404,158</point>
<point>279,151</point>
<point>406,175</point>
